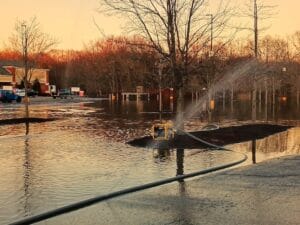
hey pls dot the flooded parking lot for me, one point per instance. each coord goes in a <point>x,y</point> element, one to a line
<point>83,153</point>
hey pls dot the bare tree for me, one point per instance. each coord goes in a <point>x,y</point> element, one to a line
<point>30,42</point>
<point>296,56</point>
<point>296,44</point>
<point>173,28</point>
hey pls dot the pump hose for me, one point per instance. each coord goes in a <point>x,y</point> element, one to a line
<point>207,143</point>
<point>101,198</point>
<point>216,147</point>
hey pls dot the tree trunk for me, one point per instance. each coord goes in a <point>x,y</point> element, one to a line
<point>224,96</point>
<point>298,93</point>
<point>273,98</point>
<point>209,98</point>
<point>259,100</point>
<point>266,101</point>
<point>231,99</point>
<point>179,108</point>
<point>254,101</point>
<point>26,84</point>
<point>26,99</point>
<point>26,102</point>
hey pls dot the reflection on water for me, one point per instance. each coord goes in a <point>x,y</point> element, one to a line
<point>27,170</point>
<point>180,161</point>
<point>280,144</point>
<point>162,154</point>
<point>253,147</point>
<point>83,154</point>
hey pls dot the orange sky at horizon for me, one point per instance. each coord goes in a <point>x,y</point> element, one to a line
<point>71,21</point>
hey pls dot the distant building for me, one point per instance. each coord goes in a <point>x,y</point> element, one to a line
<point>13,76</point>
<point>6,77</point>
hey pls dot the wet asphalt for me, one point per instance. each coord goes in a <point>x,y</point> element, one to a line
<point>261,194</point>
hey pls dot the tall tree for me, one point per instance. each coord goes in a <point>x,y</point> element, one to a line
<point>29,40</point>
<point>172,27</point>
<point>296,44</point>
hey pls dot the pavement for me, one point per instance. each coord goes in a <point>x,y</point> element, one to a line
<point>267,193</point>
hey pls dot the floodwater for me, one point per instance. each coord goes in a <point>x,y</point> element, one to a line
<point>84,153</point>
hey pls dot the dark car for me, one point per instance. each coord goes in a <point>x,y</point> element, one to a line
<point>32,93</point>
<point>9,96</point>
<point>65,93</point>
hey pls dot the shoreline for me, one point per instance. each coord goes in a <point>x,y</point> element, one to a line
<point>45,100</point>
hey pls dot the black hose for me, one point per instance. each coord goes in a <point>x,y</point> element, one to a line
<point>97,199</point>
<point>207,143</point>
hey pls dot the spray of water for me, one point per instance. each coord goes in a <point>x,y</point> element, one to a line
<point>239,73</point>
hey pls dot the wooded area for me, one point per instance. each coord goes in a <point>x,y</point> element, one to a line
<point>120,64</point>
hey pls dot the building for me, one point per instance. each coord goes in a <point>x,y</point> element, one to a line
<point>138,94</point>
<point>13,76</point>
<point>6,78</point>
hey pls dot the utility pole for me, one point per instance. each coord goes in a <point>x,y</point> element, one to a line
<point>212,69</point>
<point>160,67</point>
<point>211,34</point>
<point>25,62</point>
<point>255,16</point>
<point>255,29</point>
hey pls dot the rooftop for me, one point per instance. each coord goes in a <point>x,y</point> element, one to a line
<point>3,71</point>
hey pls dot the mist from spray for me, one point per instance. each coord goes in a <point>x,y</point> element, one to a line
<point>239,73</point>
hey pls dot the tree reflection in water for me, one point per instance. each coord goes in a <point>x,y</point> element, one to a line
<point>253,151</point>
<point>179,162</point>
<point>27,172</point>
<point>27,127</point>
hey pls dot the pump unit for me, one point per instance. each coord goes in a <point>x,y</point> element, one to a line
<point>163,131</point>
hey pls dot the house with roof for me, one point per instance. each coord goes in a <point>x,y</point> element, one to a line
<point>13,76</point>
<point>6,78</point>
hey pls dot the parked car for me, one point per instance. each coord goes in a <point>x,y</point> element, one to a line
<point>20,92</point>
<point>9,96</point>
<point>65,93</point>
<point>32,93</point>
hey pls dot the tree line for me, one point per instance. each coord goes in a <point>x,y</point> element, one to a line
<point>117,64</point>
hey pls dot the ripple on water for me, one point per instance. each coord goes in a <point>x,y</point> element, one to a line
<point>84,154</point>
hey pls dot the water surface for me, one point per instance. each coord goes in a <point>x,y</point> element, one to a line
<point>84,153</point>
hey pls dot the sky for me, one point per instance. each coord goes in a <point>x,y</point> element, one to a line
<point>71,21</point>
